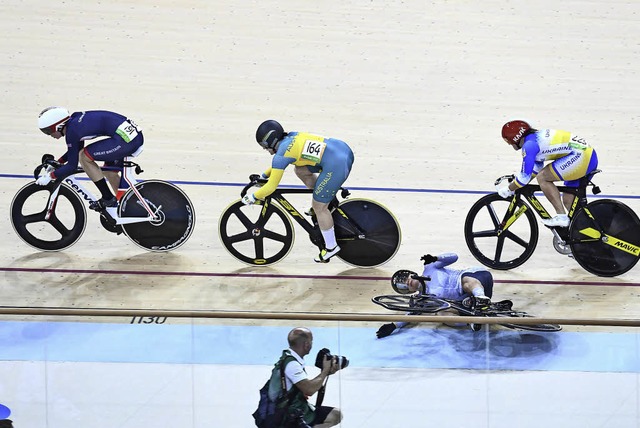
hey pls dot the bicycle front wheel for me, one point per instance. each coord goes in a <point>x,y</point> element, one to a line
<point>605,237</point>
<point>257,235</point>
<point>490,242</point>
<point>368,233</point>
<point>64,226</point>
<point>176,217</point>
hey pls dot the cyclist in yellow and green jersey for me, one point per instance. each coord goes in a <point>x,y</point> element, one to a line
<point>323,164</point>
<point>571,159</point>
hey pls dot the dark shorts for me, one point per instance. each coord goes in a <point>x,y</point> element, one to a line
<point>114,148</point>
<point>485,278</point>
<point>321,414</point>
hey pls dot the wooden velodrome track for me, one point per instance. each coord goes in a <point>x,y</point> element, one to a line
<point>418,89</point>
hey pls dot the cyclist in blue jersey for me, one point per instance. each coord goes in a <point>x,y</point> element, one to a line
<point>123,138</point>
<point>446,283</point>
<point>323,164</point>
<point>571,159</point>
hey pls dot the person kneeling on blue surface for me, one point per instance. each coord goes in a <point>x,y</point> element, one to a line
<point>472,286</point>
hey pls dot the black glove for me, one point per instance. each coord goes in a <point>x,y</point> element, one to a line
<point>255,177</point>
<point>385,330</point>
<point>428,258</point>
<point>47,157</point>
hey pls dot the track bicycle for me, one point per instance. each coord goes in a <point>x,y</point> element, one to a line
<point>262,234</point>
<point>156,215</point>
<point>603,235</point>
<point>416,304</point>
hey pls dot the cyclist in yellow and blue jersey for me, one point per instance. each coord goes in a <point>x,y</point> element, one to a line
<point>323,164</point>
<point>571,159</point>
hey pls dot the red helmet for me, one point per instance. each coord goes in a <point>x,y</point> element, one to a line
<point>514,131</point>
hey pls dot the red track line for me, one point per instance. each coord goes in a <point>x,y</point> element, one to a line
<point>272,275</point>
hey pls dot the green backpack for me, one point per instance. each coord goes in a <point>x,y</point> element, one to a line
<point>275,401</point>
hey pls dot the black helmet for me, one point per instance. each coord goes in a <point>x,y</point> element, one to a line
<point>269,133</point>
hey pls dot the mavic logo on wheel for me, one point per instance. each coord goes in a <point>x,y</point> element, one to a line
<point>625,246</point>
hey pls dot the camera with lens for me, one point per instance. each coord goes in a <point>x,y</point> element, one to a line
<point>324,353</point>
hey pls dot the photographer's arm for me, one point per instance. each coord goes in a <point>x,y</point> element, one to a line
<point>311,386</point>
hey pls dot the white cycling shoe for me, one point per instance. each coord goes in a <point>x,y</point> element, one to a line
<point>561,220</point>
<point>326,254</point>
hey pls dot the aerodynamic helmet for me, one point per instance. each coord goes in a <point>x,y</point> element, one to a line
<point>514,131</point>
<point>400,281</point>
<point>52,119</point>
<point>269,133</point>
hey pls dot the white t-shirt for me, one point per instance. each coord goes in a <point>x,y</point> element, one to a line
<point>294,371</point>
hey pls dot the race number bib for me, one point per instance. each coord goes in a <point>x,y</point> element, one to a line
<point>578,143</point>
<point>127,130</point>
<point>313,150</point>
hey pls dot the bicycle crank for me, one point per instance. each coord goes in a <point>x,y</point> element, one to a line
<point>560,245</point>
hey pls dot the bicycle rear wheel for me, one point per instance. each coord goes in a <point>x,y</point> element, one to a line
<point>614,254</point>
<point>61,230</point>
<point>378,237</point>
<point>491,247</point>
<point>406,303</point>
<point>256,234</point>
<point>529,327</point>
<point>176,216</point>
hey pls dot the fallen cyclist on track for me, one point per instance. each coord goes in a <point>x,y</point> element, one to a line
<point>471,286</point>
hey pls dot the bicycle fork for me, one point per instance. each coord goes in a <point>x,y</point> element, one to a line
<point>51,203</point>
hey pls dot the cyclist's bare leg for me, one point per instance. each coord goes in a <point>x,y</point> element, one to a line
<point>90,167</point>
<point>469,284</point>
<point>325,221</point>
<point>113,177</point>
<point>546,179</point>
<point>308,178</point>
<point>94,172</point>
<point>567,200</point>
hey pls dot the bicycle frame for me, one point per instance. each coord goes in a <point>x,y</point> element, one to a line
<point>310,228</point>
<point>127,181</point>
<point>591,234</point>
<point>528,192</point>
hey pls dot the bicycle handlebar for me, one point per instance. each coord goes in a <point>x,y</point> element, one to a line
<point>49,163</point>
<point>256,179</point>
<point>509,177</point>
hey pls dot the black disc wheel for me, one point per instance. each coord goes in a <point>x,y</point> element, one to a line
<point>368,233</point>
<point>529,327</point>
<point>48,230</point>
<point>495,238</point>
<point>605,237</point>
<point>407,303</point>
<point>256,234</point>
<point>174,220</point>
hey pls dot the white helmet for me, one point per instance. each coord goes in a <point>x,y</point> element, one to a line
<point>52,119</point>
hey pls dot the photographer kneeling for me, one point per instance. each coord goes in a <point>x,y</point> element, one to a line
<point>300,343</point>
